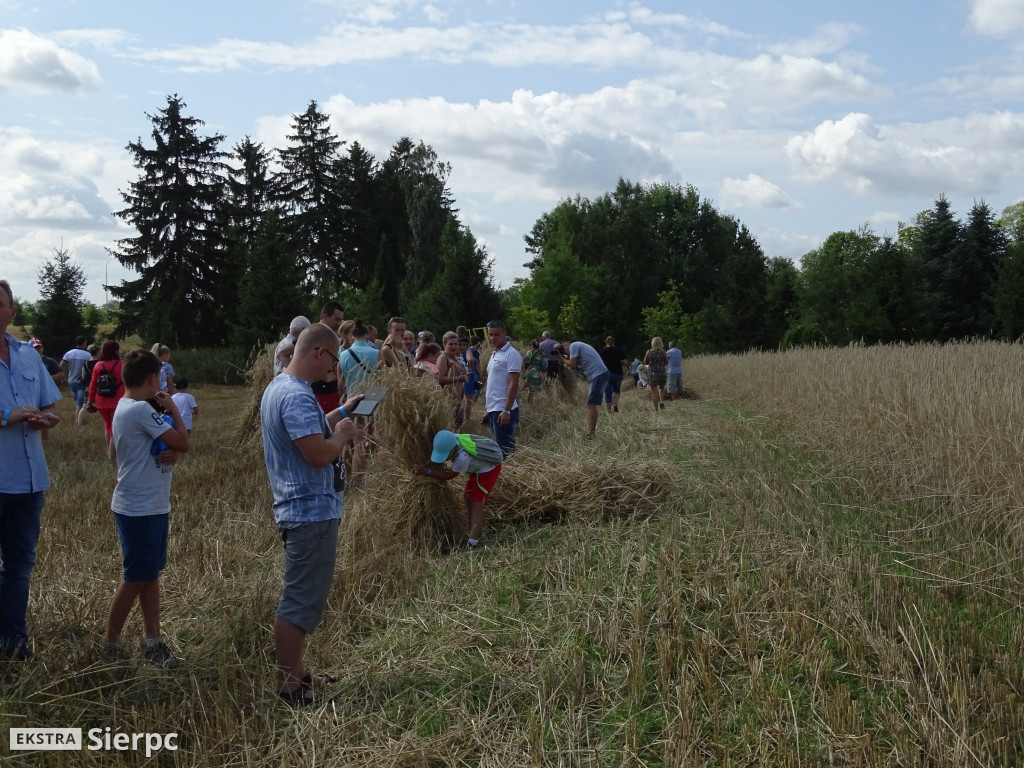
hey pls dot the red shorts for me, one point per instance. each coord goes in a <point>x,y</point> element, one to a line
<point>479,486</point>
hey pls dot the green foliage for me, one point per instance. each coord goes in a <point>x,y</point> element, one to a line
<point>569,319</point>
<point>184,276</point>
<point>58,314</point>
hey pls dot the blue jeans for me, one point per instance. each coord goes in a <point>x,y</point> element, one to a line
<point>505,436</point>
<point>20,514</point>
<point>78,391</point>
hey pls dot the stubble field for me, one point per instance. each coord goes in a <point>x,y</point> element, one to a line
<point>814,562</point>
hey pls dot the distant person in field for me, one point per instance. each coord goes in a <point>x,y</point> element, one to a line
<point>480,458</point>
<point>657,371</point>
<point>426,364</point>
<point>503,371</point>
<point>285,347</point>
<point>674,371</point>
<point>302,447</point>
<point>163,352</point>
<point>585,358</point>
<point>52,366</point>
<point>186,403</point>
<point>547,348</point>
<point>359,360</point>
<point>141,503</point>
<point>469,351</point>
<point>393,351</point>
<point>72,364</point>
<point>634,369</point>
<point>613,358</point>
<point>327,389</point>
<point>28,406</point>
<point>534,366</point>
<point>107,387</point>
<point>94,356</point>
<point>451,373</point>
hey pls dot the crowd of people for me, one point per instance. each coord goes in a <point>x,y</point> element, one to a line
<point>309,427</point>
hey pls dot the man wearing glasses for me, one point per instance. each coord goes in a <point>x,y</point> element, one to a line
<point>302,446</point>
<point>503,371</point>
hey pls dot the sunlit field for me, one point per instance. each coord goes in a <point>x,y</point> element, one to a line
<point>815,560</point>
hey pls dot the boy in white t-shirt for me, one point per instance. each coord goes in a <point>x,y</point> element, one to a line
<point>146,450</point>
<point>186,403</point>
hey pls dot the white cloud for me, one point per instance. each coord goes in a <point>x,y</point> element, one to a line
<point>998,18</point>
<point>755,192</point>
<point>29,62</point>
<point>51,183</point>
<point>959,156</point>
<point>825,40</point>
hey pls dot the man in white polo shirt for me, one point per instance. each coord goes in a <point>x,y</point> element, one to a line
<point>503,370</point>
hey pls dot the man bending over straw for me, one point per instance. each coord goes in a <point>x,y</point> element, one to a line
<point>302,446</point>
<point>480,458</point>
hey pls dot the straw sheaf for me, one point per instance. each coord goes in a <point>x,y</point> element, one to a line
<point>396,503</point>
<point>539,486</point>
<point>257,377</point>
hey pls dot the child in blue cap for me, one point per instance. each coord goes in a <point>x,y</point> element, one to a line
<point>480,458</point>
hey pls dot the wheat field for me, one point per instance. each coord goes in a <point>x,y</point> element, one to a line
<point>813,561</point>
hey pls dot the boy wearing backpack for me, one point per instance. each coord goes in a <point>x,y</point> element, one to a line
<point>480,458</point>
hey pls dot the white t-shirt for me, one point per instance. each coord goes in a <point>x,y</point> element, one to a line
<point>143,482</point>
<point>76,359</point>
<point>185,403</point>
<point>503,362</point>
<point>463,460</point>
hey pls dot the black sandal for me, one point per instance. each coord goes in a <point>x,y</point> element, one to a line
<point>297,697</point>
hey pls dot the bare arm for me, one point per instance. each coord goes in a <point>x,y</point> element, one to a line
<point>319,451</point>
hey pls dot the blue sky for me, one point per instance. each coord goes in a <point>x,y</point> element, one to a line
<point>799,118</point>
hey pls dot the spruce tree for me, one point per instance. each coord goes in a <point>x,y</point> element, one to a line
<point>179,250</point>
<point>315,209</point>
<point>58,313</point>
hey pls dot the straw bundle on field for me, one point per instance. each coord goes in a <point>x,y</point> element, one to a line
<point>539,485</point>
<point>258,375</point>
<point>398,503</point>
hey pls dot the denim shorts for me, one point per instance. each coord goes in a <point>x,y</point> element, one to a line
<point>78,390</point>
<point>143,545</point>
<point>310,550</point>
<point>595,394</point>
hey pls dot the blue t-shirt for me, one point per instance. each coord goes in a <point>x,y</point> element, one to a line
<point>24,382</point>
<point>675,360</point>
<point>590,362</point>
<point>302,493</point>
<point>357,363</point>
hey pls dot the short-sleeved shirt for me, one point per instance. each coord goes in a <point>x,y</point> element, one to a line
<point>503,362</point>
<point>185,403</point>
<point>465,462</point>
<point>278,365</point>
<point>590,363</point>
<point>302,493</point>
<point>24,382</point>
<point>547,348</point>
<point>357,364</point>
<point>166,376</point>
<point>143,481</point>
<point>613,358</point>
<point>52,366</point>
<point>76,359</point>
<point>675,360</point>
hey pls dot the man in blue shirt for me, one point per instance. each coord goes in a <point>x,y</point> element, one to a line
<point>359,361</point>
<point>675,371</point>
<point>28,398</point>
<point>302,446</point>
<point>587,359</point>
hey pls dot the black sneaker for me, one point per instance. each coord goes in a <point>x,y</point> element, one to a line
<point>159,654</point>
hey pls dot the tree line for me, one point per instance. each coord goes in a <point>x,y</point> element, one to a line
<point>228,246</point>
<point>658,260</point>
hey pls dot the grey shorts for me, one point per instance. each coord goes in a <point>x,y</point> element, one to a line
<point>675,384</point>
<point>310,550</point>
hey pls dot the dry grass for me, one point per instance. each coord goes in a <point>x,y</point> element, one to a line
<point>729,582</point>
